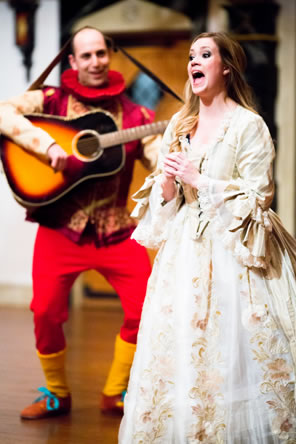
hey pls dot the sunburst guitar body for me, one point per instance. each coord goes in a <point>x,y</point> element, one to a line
<point>94,146</point>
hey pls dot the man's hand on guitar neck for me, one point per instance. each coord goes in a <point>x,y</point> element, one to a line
<point>57,157</point>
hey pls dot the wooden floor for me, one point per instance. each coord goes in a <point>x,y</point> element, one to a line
<point>90,335</point>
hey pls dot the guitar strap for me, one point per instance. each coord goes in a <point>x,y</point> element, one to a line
<point>40,80</point>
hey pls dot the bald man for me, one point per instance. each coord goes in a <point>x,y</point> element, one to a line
<point>89,227</point>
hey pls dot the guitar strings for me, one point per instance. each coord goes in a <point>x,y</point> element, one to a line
<point>154,128</point>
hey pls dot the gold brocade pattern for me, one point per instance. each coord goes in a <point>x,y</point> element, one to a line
<point>208,421</point>
<point>112,218</point>
<point>271,351</point>
<point>156,385</point>
<point>78,221</point>
<point>114,107</point>
<point>106,221</point>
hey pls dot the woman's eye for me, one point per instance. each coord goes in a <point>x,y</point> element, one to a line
<point>206,54</point>
<point>191,57</point>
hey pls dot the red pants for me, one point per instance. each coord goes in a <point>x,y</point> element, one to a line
<point>57,263</point>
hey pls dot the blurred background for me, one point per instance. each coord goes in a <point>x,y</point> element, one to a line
<point>158,34</point>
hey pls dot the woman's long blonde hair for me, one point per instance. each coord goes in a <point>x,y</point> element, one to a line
<point>234,58</point>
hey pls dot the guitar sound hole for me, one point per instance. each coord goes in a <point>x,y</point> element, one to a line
<point>86,145</point>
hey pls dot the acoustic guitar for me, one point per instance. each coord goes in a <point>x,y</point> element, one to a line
<point>94,147</point>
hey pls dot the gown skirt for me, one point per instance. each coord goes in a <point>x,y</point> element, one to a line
<point>215,360</point>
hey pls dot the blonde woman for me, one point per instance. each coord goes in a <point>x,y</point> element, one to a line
<point>215,361</point>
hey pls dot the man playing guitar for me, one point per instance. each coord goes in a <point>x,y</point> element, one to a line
<point>89,227</point>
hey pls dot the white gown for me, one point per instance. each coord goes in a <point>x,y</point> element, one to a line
<point>215,361</point>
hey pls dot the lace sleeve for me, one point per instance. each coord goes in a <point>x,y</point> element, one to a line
<point>155,215</point>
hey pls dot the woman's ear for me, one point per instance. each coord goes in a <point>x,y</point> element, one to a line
<point>225,70</point>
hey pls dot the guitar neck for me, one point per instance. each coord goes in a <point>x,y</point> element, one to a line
<point>129,134</point>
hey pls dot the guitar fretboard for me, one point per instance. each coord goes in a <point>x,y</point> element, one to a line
<point>129,134</point>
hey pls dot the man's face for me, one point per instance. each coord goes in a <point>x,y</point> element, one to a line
<point>91,58</point>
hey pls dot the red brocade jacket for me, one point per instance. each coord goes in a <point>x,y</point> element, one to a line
<point>94,207</point>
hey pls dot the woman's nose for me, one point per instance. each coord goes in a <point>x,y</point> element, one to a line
<point>194,61</point>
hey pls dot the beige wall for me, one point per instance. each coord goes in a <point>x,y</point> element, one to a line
<point>286,114</point>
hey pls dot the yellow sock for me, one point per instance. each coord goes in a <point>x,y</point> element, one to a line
<point>53,366</point>
<point>118,376</point>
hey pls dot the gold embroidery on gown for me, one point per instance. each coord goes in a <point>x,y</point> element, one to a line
<point>215,361</point>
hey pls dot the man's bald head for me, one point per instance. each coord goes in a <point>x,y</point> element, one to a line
<point>90,57</point>
<point>85,32</point>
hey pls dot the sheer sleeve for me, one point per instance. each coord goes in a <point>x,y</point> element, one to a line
<point>238,209</point>
<point>154,214</point>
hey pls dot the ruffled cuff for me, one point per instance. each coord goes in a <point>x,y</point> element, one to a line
<point>142,196</point>
<point>154,213</point>
<point>239,221</point>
